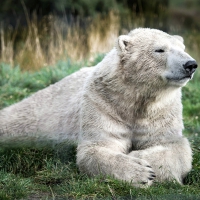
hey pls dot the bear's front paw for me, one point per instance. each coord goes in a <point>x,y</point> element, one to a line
<point>144,174</point>
<point>137,171</point>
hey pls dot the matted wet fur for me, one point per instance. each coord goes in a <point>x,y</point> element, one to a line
<point>125,113</point>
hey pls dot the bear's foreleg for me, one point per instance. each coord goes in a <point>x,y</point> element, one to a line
<point>94,158</point>
<point>170,161</point>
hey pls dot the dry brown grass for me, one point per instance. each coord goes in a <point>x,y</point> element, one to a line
<point>46,41</point>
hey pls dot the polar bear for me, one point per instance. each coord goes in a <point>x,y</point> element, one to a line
<point>125,113</point>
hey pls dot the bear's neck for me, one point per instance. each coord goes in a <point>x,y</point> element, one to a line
<point>130,101</point>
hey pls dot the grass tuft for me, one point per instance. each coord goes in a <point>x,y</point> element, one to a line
<point>14,187</point>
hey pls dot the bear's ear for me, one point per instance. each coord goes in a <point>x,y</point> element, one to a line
<point>123,42</point>
<point>179,38</point>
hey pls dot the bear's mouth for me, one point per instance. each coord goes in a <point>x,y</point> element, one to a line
<point>177,79</point>
<point>188,77</point>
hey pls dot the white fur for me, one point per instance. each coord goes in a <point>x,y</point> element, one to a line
<point>125,113</point>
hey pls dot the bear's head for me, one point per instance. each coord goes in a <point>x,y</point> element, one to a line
<point>152,57</point>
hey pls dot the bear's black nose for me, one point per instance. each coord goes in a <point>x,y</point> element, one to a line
<point>190,66</point>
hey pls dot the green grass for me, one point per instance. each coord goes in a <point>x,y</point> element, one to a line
<point>51,172</point>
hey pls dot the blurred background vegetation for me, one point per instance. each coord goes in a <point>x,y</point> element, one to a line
<point>37,33</point>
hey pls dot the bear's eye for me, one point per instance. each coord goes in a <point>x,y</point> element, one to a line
<point>159,50</point>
